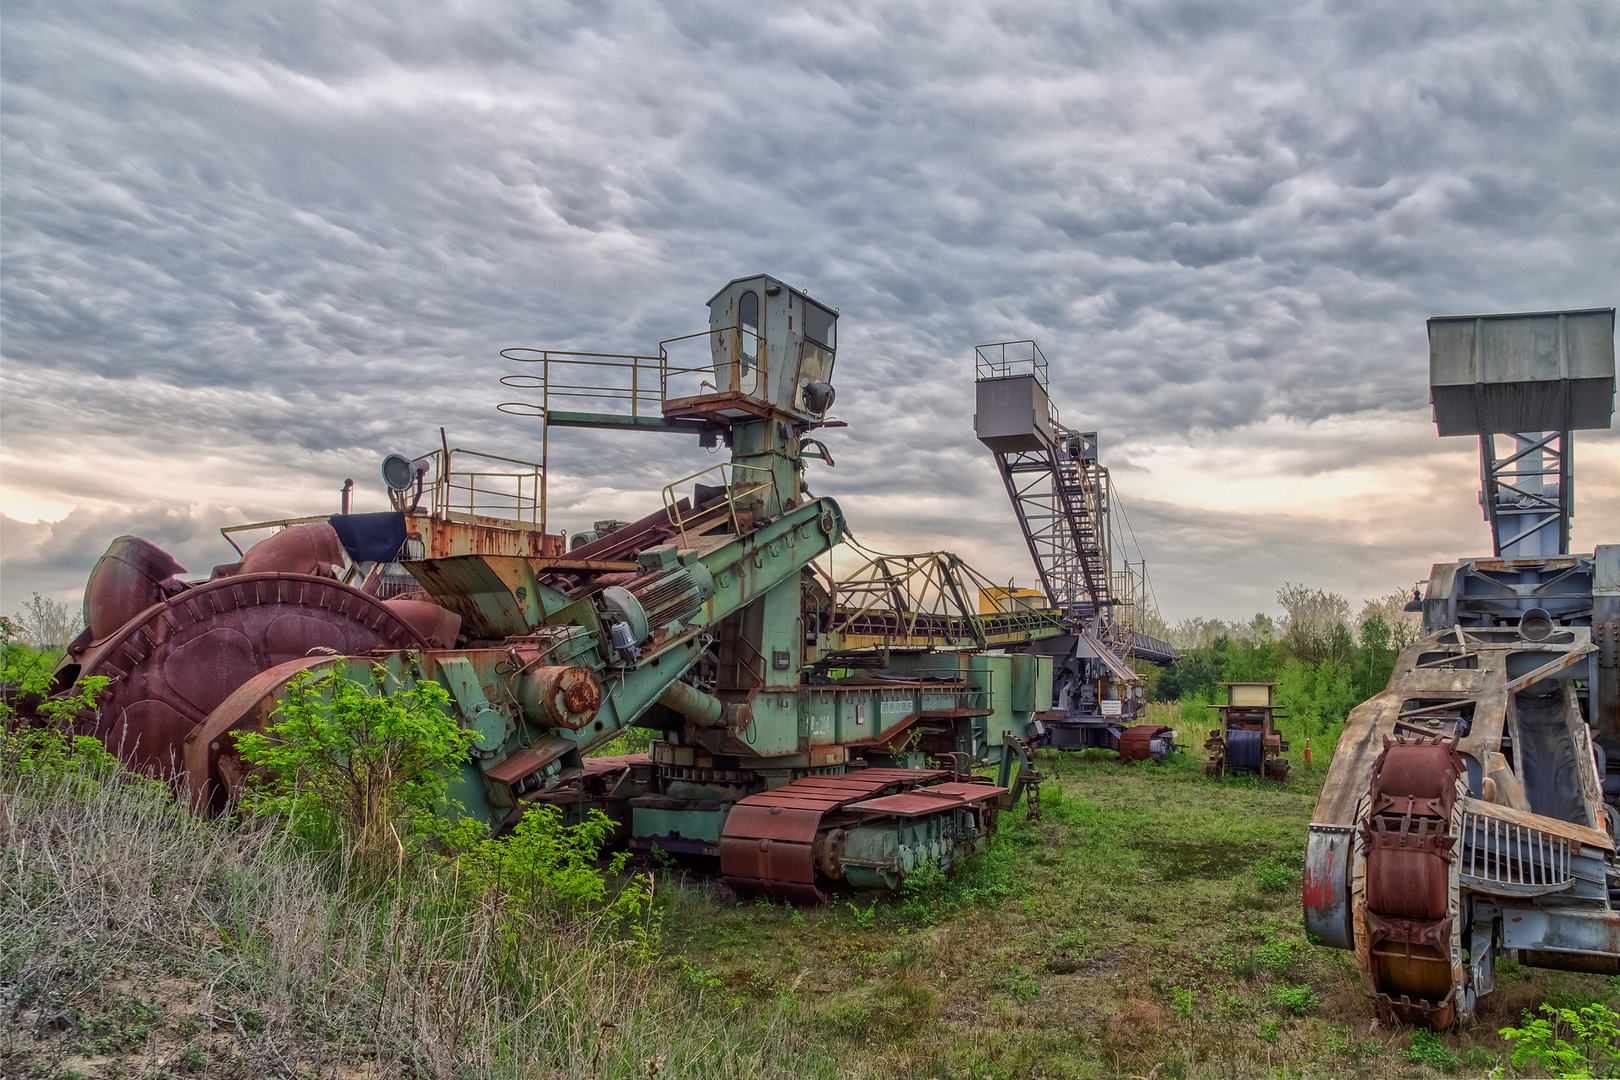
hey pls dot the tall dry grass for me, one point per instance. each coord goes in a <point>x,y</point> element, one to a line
<point>251,956</point>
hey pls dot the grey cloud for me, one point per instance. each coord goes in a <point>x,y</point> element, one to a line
<point>292,237</point>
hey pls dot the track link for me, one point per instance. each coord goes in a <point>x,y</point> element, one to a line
<point>768,844</point>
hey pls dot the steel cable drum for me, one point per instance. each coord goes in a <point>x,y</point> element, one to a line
<point>1244,750</point>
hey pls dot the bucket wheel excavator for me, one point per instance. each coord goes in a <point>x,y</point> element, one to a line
<point>1061,496</point>
<point>1469,812</point>
<point>702,622</point>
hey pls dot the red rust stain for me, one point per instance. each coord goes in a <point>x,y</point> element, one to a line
<point>1319,886</point>
<point>582,696</point>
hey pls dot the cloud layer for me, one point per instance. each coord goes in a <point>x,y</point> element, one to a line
<point>250,249</point>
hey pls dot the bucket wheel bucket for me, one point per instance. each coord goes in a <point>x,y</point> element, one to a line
<point>1407,898</point>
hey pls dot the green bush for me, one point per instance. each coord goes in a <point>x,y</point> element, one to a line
<point>47,750</point>
<point>1276,956</point>
<point>547,864</point>
<point>1589,1050</point>
<point>373,762</point>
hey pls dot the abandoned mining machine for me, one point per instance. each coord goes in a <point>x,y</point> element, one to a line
<point>1062,495</point>
<point>810,730</point>
<point>1469,812</point>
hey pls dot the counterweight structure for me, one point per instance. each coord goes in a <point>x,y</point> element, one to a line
<point>808,737</point>
<point>1060,494</point>
<point>1469,810</point>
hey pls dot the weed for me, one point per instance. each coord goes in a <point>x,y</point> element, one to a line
<point>1020,984</point>
<point>1268,1031</point>
<point>866,919</point>
<point>1590,1049</point>
<point>1298,1000</point>
<point>1429,1049</point>
<point>1276,956</point>
<point>700,978</point>
<point>1183,1002</point>
<point>1278,873</point>
<point>109,879</point>
<point>887,1007</point>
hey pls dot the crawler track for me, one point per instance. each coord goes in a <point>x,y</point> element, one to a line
<point>773,843</point>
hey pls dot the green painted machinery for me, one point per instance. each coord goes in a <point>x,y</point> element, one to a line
<point>698,623</point>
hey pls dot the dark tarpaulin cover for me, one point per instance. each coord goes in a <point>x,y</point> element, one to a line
<point>371,537</point>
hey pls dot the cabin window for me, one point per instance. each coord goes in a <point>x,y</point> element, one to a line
<point>821,326</point>
<point>748,323</point>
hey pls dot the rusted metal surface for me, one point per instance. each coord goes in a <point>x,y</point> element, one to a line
<point>298,549</point>
<point>132,576</point>
<point>1136,743</point>
<point>568,697</point>
<point>1451,686</point>
<point>531,758</point>
<point>768,844</point>
<point>1328,854</point>
<point>597,766</point>
<point>443,535</point>
<point>921,801</point>
<point>433,623</point>
<point>174,663</point>
<point>213,770</point>
<point>1410,921</point>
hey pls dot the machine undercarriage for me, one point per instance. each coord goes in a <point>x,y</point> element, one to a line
<point>1469,810</point>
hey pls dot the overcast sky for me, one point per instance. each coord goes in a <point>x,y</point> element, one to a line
<point>250,248</point>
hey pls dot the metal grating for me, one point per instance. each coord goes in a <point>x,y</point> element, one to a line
<point>1513,860</point>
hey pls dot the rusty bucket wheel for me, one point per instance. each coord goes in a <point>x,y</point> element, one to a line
<point>175,662</point>
<point>1136,743</point>
<point>1409,925</point>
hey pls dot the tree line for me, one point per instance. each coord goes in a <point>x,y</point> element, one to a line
<point>1324,660</point>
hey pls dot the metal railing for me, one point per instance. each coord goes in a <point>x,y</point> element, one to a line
<point>922,600</point>
<point>1003,359</point>
<point>641,386</point>
<point>254,526</point>
<point>485,485</point>
<point>728,482</point>
<point>618,386</point>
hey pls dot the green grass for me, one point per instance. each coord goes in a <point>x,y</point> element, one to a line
<point>1151,919</point>
<point>139,940</point>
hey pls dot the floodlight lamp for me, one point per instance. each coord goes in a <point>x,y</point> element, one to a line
<point>398,472</point>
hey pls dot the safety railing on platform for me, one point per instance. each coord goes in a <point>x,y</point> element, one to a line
<point>608,388</point>
<point>485,485</point>
<point>1004,359</point>
<point>732,490</point>
<point>730,360</point>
